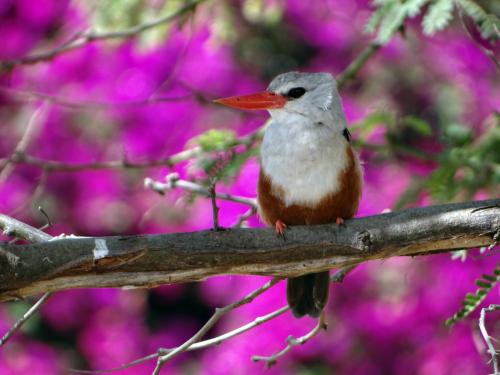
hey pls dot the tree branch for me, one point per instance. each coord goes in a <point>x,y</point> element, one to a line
<point>28,314</point>
<point>14,228</point>
<point>355,66</point>
<point>151,260</point>
<point>292,341</point>
<point>29,96</point>
<point>174,181</point>
<point>487,338</point>
<point>34,122</point>
<point>54,165</point>
<point>219,313</point>
<point>80,39</point>
<point>338,277</point>
<point>170,161</point>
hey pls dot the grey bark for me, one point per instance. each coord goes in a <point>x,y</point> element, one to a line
<point>151,260</point>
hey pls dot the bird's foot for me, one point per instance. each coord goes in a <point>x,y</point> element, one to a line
<point>280,228</point>
<point>339,221</point>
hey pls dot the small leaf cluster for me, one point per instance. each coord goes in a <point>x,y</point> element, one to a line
<point>467,165</point>
<point>488,24</point>
<point>397,129</point>
<point>224,166</point>
<point>473,300</point>
<point>392,122</point>
<point>390,16</point>
<point>216,140</point>
<point>221,159</point>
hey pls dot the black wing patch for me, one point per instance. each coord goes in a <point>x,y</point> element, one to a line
<point>346,134</point>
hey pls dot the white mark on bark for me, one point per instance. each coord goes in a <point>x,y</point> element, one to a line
<point>101,249</point>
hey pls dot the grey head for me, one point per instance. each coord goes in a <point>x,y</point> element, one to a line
<point>311,95</point>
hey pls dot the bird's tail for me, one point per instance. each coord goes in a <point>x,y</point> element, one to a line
<point>308,294</point>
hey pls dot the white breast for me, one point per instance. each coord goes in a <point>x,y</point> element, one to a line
<point>303,159</point>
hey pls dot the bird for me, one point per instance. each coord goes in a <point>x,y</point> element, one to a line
<point>309,172</point>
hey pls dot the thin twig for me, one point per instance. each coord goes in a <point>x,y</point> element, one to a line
<point>355,66</point>
<point>54,165</point>
<point>82,38</point>
<point>238,331</point>
<point>173,181</point>
<point>487,338</point>
<point>292,342</point>
<point>15,228</point>
<point>242,219</point>
<point>28,314</point>
<point>395,149</point>
<point>35,120</point>
<point>496,238</point>
<point>196,346</point>
<point>91,104</point>
<point>37,193</point>
<point>219,313</point>
<point>213,199</point>
<point>337,277</point>
<point>48,222</point>
<point>208,325</point>
<point>340,275</point>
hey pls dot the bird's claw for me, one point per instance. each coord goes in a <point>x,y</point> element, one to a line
<point>280,228</point>
<point>339,221</point>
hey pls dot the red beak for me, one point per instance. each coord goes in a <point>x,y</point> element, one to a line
<point>261,100</point>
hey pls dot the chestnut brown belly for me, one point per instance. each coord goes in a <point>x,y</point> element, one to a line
<point>342,203</point>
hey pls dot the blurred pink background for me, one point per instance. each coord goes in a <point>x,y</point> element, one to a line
<point>147,97</point>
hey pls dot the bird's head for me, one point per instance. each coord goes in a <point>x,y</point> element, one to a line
<point>313,95</point>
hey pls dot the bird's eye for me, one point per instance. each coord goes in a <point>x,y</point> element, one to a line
<point>296,92</point>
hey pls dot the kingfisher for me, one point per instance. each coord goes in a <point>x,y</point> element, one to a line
<point>310,174</point>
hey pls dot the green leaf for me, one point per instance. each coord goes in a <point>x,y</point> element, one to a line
<point>413,7</point>
<point>116,15</point>
<point>471,297</point>
<point>473,10</point>
<point>482,293</point>
<point>370,122</point>
<point>420,126</point>
<point>384,2</point>
<point>457,134</point>
<point>483,284</point>
<point>490,278</point>
<point>232,169</point>
<point>490,26</point>
<point>391,23</point>
<point>216,140</point>
<point>374,20</point>
<point>487,23</point>
<point>472,301</point>
<point>438,16</point>
<point>390,17</point>
<point>441,183</point>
